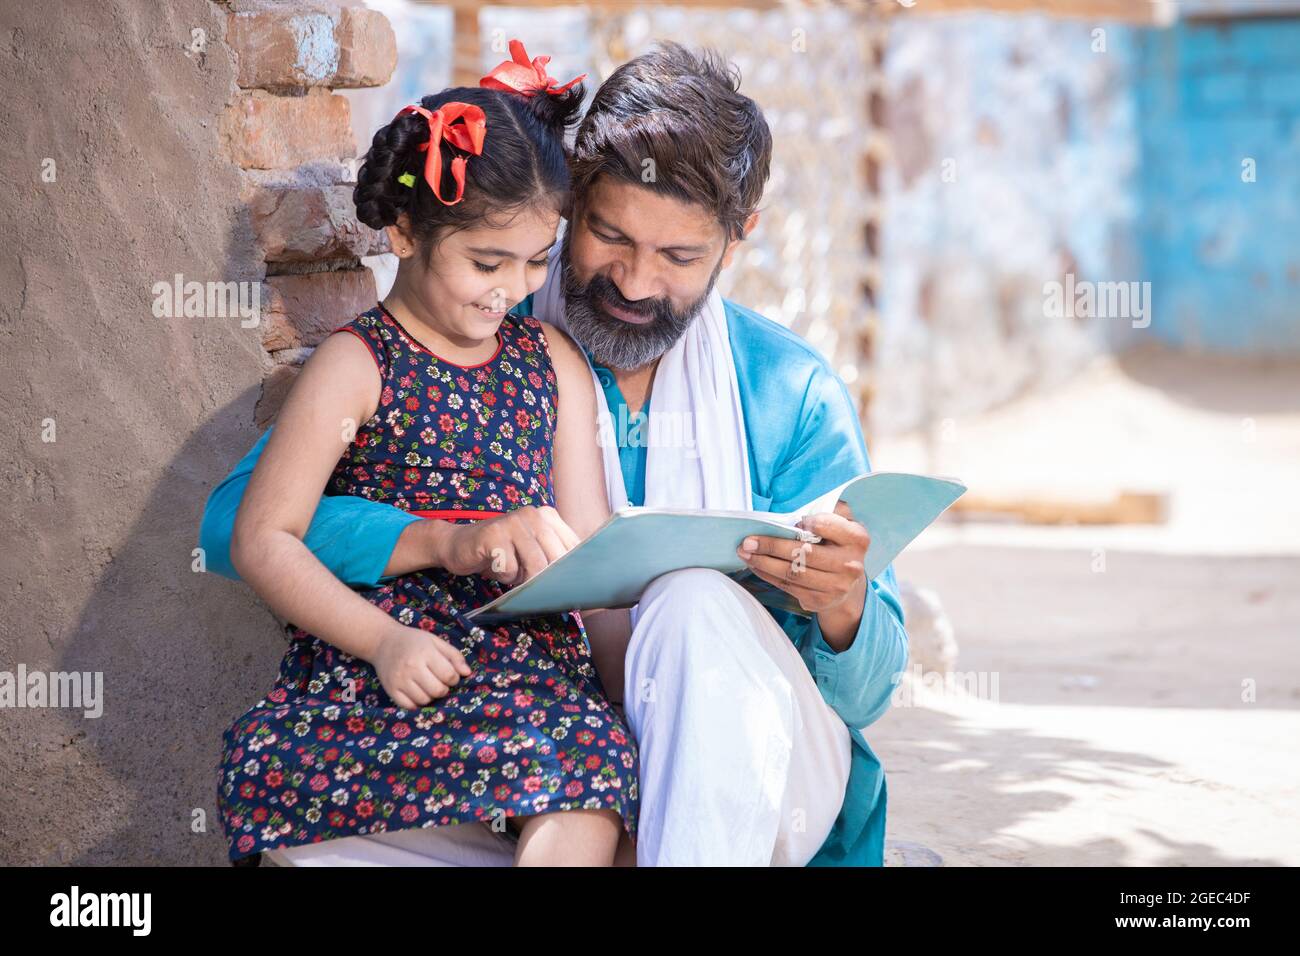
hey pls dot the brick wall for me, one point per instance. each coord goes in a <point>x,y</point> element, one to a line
<point>291,136</point>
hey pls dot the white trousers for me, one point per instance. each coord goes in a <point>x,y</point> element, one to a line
<point>742,761</point>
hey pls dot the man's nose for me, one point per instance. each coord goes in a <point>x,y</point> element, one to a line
<point>634,278</point>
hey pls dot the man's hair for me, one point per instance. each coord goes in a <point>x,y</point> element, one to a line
<point>682,110</point>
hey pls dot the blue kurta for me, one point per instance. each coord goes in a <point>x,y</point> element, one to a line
<point>804,439</point>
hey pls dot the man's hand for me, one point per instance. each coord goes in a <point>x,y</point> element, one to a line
<point>826,578</point>
<point>511,548</point>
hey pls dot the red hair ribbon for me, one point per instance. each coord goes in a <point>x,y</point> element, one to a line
<point>467,136</point>
<point>518,75</point>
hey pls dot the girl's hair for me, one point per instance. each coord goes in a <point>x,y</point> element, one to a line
<point>524,162</point>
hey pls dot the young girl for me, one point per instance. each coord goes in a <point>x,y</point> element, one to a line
<point>392,711</point>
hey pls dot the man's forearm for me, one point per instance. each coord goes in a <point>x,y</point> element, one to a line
<point>355,538</point>
<point>839,625</point>
<point>420,546</point>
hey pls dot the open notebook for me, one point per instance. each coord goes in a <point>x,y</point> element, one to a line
<point>613,567</point>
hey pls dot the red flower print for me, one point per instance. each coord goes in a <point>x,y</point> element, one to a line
<point>476,439</point>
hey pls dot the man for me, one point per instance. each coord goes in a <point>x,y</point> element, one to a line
<point>748,720</point>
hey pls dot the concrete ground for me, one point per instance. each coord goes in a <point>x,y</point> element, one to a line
<point>1146,709</point>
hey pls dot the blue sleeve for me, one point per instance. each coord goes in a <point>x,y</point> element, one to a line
<point>827,450</point>
<point>352,537</point>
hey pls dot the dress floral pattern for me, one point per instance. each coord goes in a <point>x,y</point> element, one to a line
<point>327,753</point>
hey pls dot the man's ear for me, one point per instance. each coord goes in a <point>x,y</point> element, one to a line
<point>730,251</point>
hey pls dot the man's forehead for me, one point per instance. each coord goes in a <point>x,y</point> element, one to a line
<point>649,216</point>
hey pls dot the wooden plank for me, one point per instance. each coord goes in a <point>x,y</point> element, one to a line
<point>1152,12</point>
<point>635,4</point>
<point>1128,507</point>
<point>467,58</point>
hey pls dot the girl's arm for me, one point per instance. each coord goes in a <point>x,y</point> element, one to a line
<point>337,388</point>
<point>580,495</point>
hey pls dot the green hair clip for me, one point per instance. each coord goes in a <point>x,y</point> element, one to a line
<point>407,179</point>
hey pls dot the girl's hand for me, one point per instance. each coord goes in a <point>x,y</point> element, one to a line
<point>510,549</point>
<point>417,667</point>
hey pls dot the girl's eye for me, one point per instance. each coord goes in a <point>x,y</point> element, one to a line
<point>484,267</point>
<point>539,263</point>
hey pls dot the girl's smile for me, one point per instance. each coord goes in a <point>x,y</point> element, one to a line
<point>487,268</point>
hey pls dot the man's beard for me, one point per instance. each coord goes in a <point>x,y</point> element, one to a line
<point>613,342</point>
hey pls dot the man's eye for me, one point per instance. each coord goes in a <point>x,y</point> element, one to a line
<point>484,267</point>
<point>682,262</point>
<point>604,238</point>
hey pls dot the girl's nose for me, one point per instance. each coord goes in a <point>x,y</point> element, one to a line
<point>512,291</point>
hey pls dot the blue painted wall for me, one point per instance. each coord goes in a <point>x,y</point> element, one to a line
<point>1223,254</point>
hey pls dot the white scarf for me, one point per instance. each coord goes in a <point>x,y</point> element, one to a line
<point>702,457</point>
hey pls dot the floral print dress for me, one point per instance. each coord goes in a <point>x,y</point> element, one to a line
<point>327,753</point>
